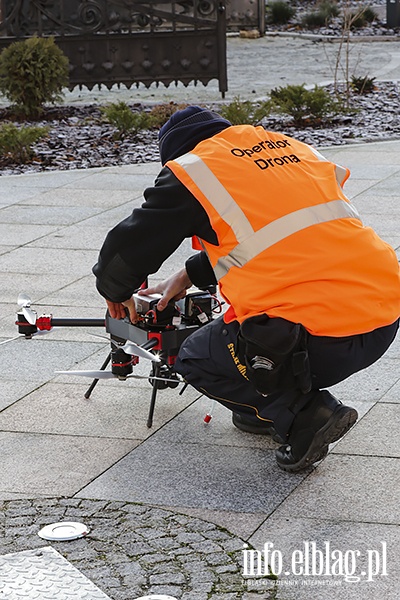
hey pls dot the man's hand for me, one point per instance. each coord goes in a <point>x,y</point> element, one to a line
<point>173,288</point>
<point>117,310</point>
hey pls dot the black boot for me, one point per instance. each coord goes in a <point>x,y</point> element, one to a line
<point>254,425</point>
<point>322,421</point>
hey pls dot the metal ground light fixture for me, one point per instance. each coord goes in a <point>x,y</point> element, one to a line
<point>156,597</point>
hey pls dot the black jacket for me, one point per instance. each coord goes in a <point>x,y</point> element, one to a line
<point>138,246</point>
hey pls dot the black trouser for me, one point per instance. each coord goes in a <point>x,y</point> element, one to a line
<point>207,360</point>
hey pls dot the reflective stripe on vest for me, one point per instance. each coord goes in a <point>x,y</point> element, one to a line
<point>252,243</point>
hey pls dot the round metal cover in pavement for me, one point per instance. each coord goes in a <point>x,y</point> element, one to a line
<point>63,531</point>
<point>156,597</point>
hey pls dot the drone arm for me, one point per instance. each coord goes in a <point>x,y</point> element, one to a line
<point>76,322</point>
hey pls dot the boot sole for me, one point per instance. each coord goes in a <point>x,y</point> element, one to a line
<point>339,423</point>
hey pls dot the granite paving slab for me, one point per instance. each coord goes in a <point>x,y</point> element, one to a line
<point>70,264</point>
<point>370,384</point>
<point>368,169</point>
<point>369,200</point>
<point>105,180</point>
<point>70,196</point>
<point>38,359</point>
<point>118,412</point>
<point>75,237</point>
<point>23,214</point>
<point>189,428</point>
<point>349,488</point>
<point>35,284</point>
<point>13,235</point>
<point>392,395</point>
<point>366,556</point>
<point>47,180</point>
<point>69,300</point>
<point>12,390</point>
<point>241,479</point>
<point>384,225</point>
<point>355,187</point>
<point>112,216</point>
<point>10,194</point>
<point>377,434</point>
<point>55,464</point>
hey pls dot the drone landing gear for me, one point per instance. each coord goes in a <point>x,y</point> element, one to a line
<point>122,366</point>
<point>96,381</point>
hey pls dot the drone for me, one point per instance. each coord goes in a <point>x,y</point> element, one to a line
<point>156,337</point>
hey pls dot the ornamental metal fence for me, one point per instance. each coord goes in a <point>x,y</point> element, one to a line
<point>127,42</point>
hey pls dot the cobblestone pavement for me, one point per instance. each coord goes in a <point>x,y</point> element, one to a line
<point>133,550</point>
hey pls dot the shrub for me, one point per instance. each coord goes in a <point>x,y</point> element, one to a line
<point>160,113</point>
<point>244,113</point>
<point>124,119</point>
<point>362,17</point>
<point>16,142</point>
<point>321,17</point>
<point>302,104</point>
<point>363,85</point>
<point>329,9</point>
<point>32,73</point>
<point>370,15</point>
<point>280,12</point>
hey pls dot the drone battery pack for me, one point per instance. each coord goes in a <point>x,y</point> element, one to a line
<point>194,305</point>
<point>147,306</point>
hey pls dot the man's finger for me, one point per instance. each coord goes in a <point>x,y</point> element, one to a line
<point>147,291</point>
<point>131,306</point>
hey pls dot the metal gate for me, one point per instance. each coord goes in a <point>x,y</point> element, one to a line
<point>127,41</point>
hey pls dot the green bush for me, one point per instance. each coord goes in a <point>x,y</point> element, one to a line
<point>124,119</point>
<point>314,19</point>
<point>329,9</point>
<point>280,12</point>
<point>303,105</point>
<point>363,85</point>
<point>160,113</point>
<point>244,113</point>
<point>32,73</point>
<point>322,16</point>
<point>370,15</point>
<point>362,17</point>
<point>16,142</point>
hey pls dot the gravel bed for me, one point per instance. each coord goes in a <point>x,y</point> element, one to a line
<point>378,27</point>
<point>79,139</point>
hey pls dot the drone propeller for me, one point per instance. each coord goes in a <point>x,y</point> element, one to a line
<point>24,302</point>
<point>110,375</point>
<point>10,340</point>
<point>132,348</point>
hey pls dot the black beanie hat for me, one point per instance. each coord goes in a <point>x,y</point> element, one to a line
<point>186,128</point>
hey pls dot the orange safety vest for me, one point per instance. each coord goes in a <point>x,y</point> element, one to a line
<point>290,244</point>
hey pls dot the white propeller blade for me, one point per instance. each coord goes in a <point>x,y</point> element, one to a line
<point>24,302</point>
<point>110,375</point>
<point>92,374</point>
<point>11,340</point>
<point>132,348</point>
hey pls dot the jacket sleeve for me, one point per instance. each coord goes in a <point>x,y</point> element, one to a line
<point>138,245</point>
